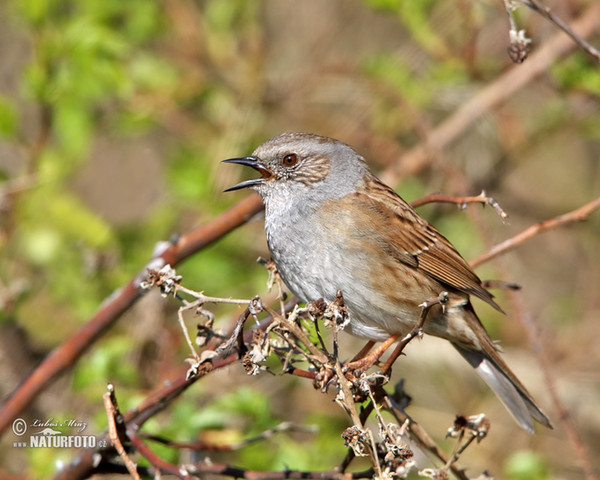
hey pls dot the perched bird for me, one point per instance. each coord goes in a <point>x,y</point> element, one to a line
<point>332,225</point>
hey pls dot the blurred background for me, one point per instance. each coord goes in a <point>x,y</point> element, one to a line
<point>114,117</point>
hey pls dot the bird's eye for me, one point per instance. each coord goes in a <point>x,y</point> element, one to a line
<point>290,160</point>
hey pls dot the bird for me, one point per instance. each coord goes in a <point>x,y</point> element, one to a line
<point>331,225</point>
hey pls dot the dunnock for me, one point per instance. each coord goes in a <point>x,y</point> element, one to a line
<point>331,224</point>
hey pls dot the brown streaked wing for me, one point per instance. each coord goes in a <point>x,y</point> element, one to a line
<point>414,238</point>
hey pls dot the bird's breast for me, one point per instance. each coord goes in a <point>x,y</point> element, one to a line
<point>303,258</point>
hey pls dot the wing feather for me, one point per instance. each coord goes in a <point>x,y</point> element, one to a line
<point>416,243</point>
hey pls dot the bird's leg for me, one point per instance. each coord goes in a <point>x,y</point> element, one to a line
<point>441,300</point>
<point>361,363</point>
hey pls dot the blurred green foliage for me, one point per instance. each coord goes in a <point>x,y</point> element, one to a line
<point>576,73</point>
<point>417,18</point>
<point>526,465</point>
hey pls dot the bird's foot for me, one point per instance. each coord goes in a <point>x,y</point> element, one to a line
<point>355,369</point>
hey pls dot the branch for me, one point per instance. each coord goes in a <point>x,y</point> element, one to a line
<point>158,463</point>
<point>461,202</point>
<point>85,464</point>
<point>575,216</point>
<point>534,338</point>
<point>66,354</point>
<point>548,14</point>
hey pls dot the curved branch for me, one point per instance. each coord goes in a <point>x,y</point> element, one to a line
<point>63,356</point>
<point>574,216</point>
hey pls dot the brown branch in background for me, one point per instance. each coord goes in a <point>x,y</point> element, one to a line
<point>548,14</point>
<point>531,330</point>
<point>158,463</point>
<point>574,216</point>
<point>66,354</point>
<point>490,97</point>
<point>564,417</point>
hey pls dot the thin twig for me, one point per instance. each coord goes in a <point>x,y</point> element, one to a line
<point>112,411</point>
<point>577,215</point>
<point>461,201</point>
<point>346,400</point>
<point>416,331</point>
<point>201,299</point>
<point>509,6</point>
<point>548,14</point>
<point>293,327</point>
<point>422,437</point>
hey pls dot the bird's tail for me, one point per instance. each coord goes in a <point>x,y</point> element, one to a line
<point>506,386</point>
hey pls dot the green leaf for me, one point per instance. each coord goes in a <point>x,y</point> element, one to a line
<point>415,16</point>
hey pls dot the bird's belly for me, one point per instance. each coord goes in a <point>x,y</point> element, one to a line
<point>312,274</point>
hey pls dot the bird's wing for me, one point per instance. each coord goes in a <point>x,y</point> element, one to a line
<point>414,242</point>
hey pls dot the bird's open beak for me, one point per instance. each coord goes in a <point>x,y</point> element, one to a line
<point>255,163</point>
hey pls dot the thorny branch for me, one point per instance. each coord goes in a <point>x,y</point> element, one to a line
<point>161,400</point>
<point>388,456</point>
